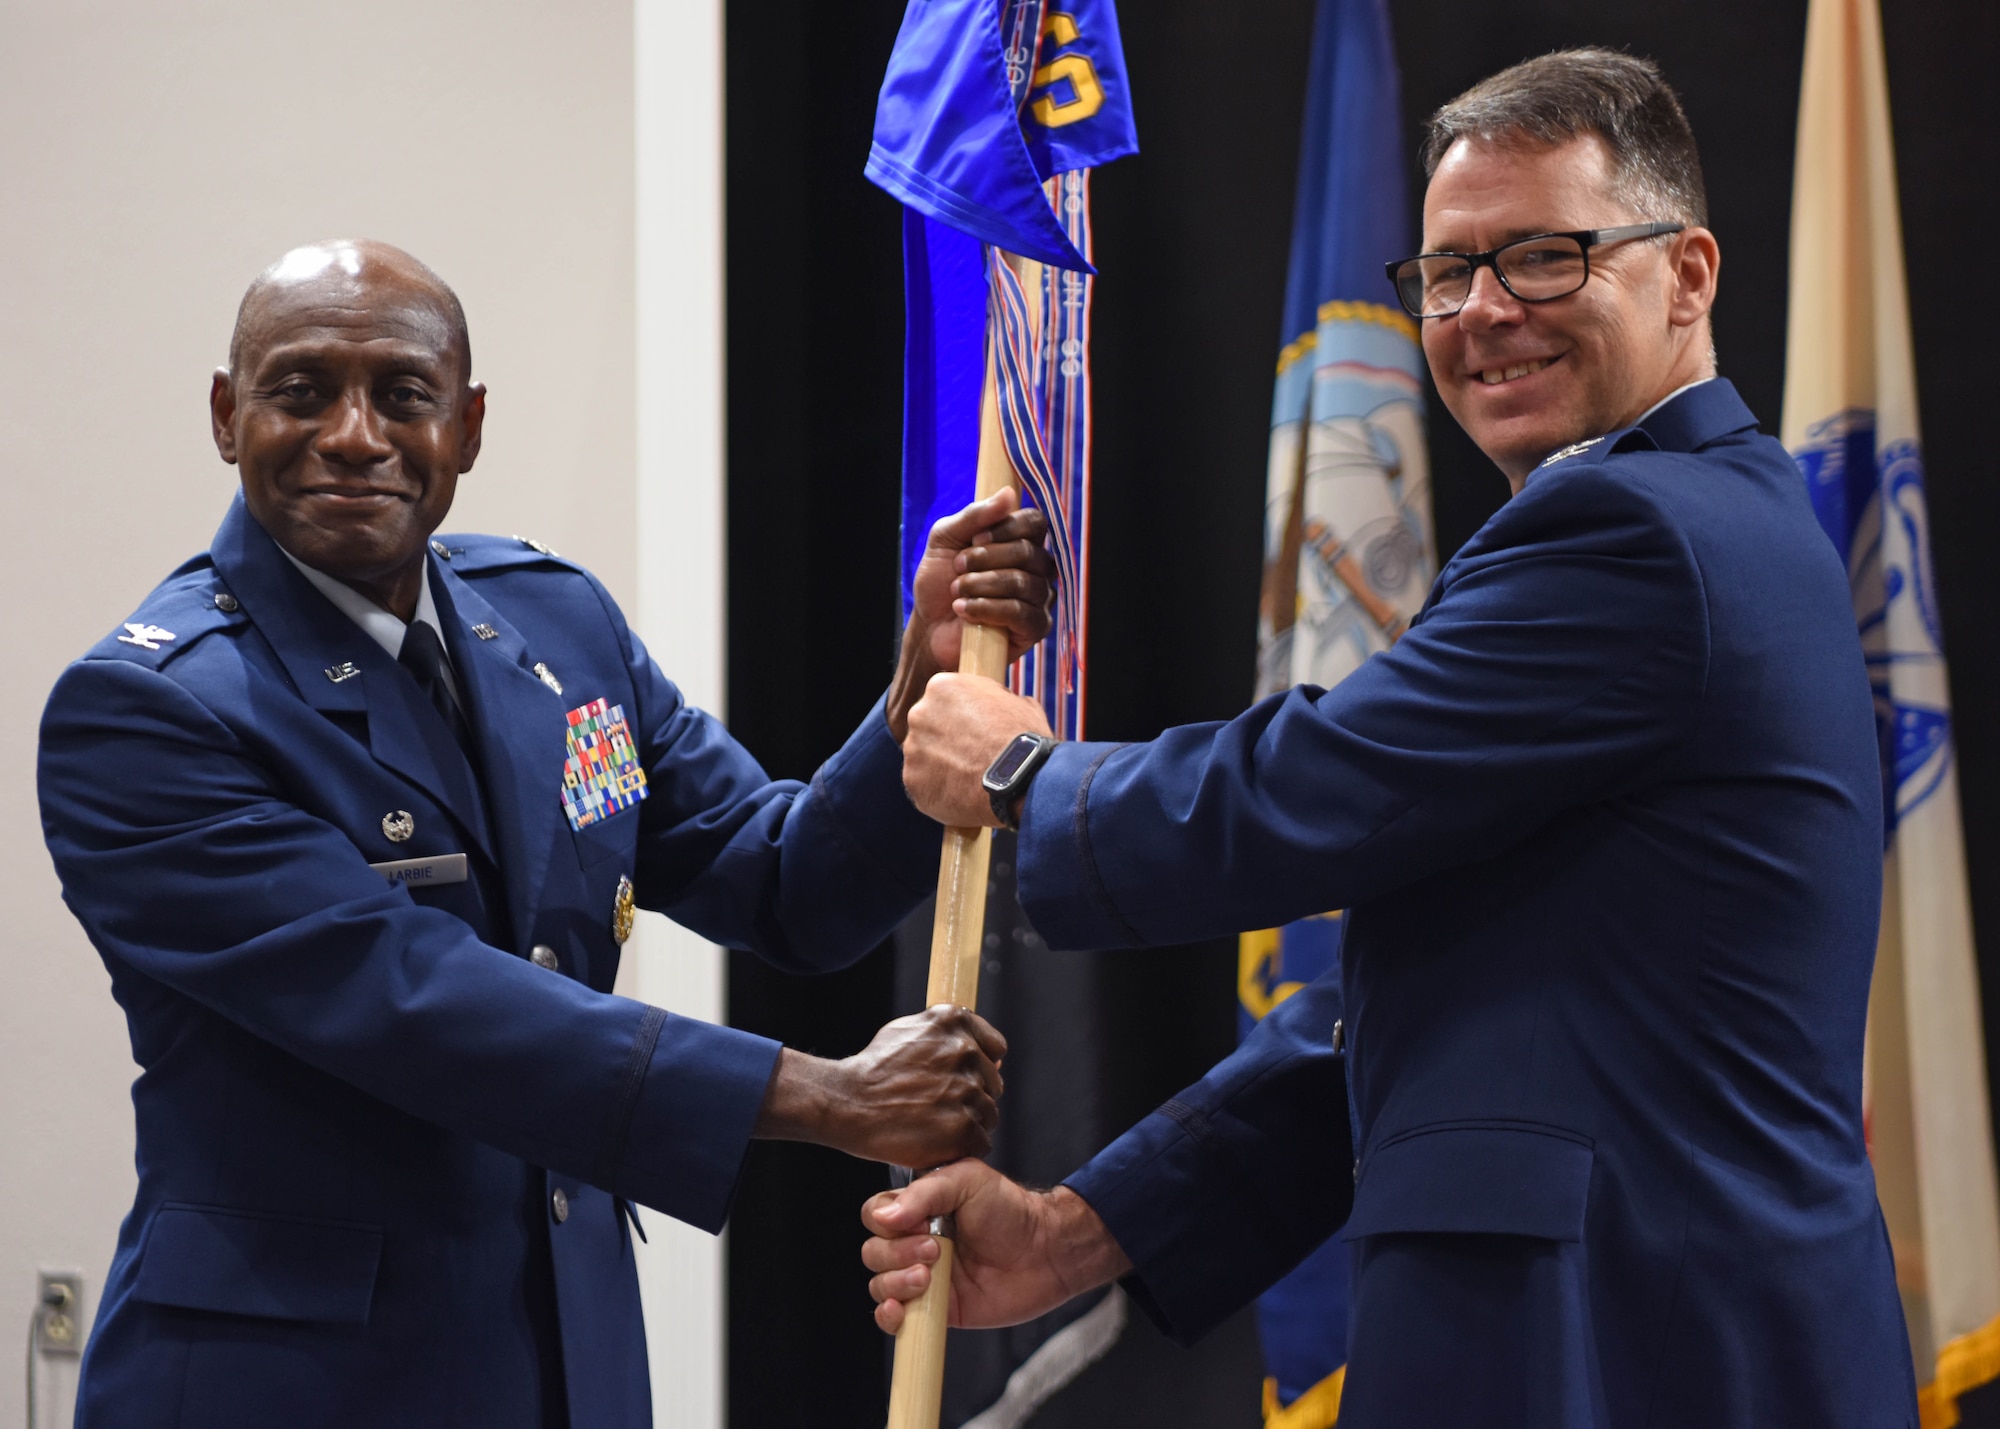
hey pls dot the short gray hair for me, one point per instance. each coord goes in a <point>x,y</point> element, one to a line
<point>1556,97</point>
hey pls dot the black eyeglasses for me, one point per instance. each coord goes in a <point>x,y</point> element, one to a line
<point>1535,270</point>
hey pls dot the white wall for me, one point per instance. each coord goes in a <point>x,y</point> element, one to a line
<point>154,156</point>
<point>677,61</point>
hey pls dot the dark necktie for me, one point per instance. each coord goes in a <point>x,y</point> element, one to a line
<point>423,656</point>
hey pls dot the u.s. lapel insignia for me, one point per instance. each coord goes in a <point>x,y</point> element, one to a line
<point>1573,449</point>
<point>345,670</point>
<point>602,774</point>
<point>485,631</point>
<point>397,826</point>
<point>621,911</point>
<point>548,677</point>
<point>146,637</point>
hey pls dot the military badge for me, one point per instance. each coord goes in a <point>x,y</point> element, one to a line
<point>397,826</point>
<point>549,679</point>
<point>621,911</point>
<point>602,775</point>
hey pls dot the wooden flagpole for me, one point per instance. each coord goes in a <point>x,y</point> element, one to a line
<point>917,1387</point>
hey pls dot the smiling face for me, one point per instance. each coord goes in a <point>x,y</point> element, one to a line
<point>348,413</point>
<point>1526,378</point>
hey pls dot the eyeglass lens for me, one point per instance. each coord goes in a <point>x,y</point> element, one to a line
<point>1534,271</point>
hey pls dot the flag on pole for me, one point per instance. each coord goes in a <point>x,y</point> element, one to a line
<point>1850,420</point>
<point>991,117</point>
<point>1348,548</point>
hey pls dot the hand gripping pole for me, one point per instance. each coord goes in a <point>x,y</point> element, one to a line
<point>917,1388</point>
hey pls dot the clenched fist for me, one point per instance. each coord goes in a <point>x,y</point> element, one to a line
<point>956,731</point>
<point>926,1091</point>
<point>987,565</point>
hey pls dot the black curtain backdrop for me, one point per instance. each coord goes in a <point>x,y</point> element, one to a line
<point>1192,238</point>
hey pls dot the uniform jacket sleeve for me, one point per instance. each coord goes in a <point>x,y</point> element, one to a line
<point>1560,660</point>
<point>1236,1180</point>
<point>810,877</point>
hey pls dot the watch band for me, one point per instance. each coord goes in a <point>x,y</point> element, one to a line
<point>1026,753</point>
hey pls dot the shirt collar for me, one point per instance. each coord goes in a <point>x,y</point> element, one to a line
<point>1685,386</point>
<point>381,626</point>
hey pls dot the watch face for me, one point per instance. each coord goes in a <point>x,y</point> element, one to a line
<point>1010,761</point>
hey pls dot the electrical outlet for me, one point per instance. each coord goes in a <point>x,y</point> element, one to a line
<point>59,1312</point>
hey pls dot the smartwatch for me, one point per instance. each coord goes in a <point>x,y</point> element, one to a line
<point>1007,777</point>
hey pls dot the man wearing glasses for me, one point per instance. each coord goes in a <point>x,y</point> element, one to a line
<point>1608,824</point>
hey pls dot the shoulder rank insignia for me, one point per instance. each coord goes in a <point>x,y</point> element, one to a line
<point>532,544</point>
<point>146,637</point>
<point>602,775</point>
<point>1565,453</point>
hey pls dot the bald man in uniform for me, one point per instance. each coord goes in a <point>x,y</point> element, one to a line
<point>357,816</point>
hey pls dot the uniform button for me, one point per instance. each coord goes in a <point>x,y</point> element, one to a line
<point>1357,1179</point>
<point>225,602</point>
<point>1339,1036</point>
<point>559,1203</point>
<point>544,956</point>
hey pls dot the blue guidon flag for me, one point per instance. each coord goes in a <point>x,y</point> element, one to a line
<point>991,117</point>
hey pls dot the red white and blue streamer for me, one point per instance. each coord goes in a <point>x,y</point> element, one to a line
<point>1042,364</point>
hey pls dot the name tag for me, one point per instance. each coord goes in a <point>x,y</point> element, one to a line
<point>418,872</point>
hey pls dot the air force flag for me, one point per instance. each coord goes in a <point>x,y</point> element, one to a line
<point>1850,419</point>
<point>991,116</point>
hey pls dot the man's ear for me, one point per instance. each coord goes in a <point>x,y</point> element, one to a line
<point>1697,260</point>
<point>473,416</point>
<point>222,413</point>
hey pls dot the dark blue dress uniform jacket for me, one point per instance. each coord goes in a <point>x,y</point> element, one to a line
<point>1609,822</point>
<point>357,1101</point>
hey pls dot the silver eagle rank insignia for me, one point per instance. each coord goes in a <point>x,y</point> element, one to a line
<point>146,637</point>
<point>1565,453</point>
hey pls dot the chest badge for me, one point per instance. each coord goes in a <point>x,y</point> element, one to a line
<point>146,637</point>
<point>397,826</point>
<point>549,679</point>
<point>621,911</point>
<point>602,775</point>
